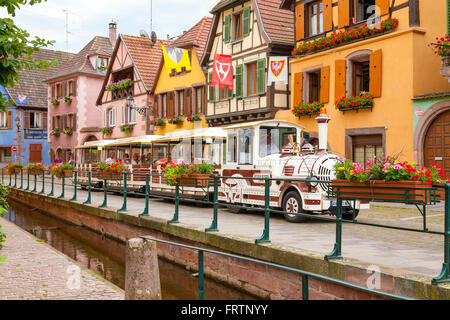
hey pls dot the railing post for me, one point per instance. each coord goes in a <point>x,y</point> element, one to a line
<point>105,200</point>
<point>177,203</point>
<point>43,182</point>
<point>265,236</point>
<point>336,253</point>
<point>305,288</point>
<point>28,181</point>
<point>89,199</point>
<point>201,276</point>
<point>445,273</point>
<point>21,179</point>
<point>35,184</point>
<point>62,196</point>
<point>15,179</point>
<point>124,206</point>
<point>10,180</point>
<point>52,192</point>
<point>75,181</point>
<point>3,176</point>
<point>147,196</point>
<point>214,226</point>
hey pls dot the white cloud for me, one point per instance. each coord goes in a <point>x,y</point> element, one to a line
<point>90,18</point>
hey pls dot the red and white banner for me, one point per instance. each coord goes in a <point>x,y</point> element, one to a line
<point>278,70</point>
<point>222,71</point>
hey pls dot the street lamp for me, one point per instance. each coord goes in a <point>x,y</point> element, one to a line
<point>18,125</point>
<point>132,105</point>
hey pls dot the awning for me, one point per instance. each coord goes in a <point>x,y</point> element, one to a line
<point>203,133</point>
<point>134,141</point>
<point>95,144</point>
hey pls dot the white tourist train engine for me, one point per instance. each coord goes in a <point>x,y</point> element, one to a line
<point>272,149</point>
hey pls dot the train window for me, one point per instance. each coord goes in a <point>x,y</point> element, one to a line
<point>272,140</point>
<point>232,148</point>
<point>245,146</point>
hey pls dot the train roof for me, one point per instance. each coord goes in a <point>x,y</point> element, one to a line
<point>96,144</point>
<point>203,133</point>
<point>263,122</point>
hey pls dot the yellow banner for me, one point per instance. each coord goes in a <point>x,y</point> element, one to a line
<point>176,58</point>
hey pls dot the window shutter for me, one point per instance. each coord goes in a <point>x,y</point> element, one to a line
<point>26,119</point>
<point>340,89</point>
<point>123,115</point>
<point>261,76</point>
<point>105,118</point>
<point>300,22</point>
<point>448,17</point>
<point>227,29</point>
<point>10,121</point>
<point>74,122</point>
<point>383,5</point>
<point>53,123</point>
<point>246,21</point>
<point>188,102</point>
<point>239,83</point>
<point>171,104</point>
<point>155,106</point>
<point>325,85</point>
<point>203,94</point>
<point>44,120</point>
<point>327,15</point>
<point>212,90</point>
<point>344,13</point>
<point>376,73</point>
<point>298,88</point>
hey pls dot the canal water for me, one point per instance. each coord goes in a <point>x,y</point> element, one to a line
<point>106,257</point>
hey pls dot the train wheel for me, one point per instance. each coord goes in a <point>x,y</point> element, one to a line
<point>292,203</point>
<point>348,214</point>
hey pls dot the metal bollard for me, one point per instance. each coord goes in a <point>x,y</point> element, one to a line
<point>89,199</point>
<point>265,236</point>
<point>177,204</point>
<point>124,206</point>
<point>147,196</point>
<point>214,225</point>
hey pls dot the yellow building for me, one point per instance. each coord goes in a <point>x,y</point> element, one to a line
<point>181,95</point>
<point>394,64</point>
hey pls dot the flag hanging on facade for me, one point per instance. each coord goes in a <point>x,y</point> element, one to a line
<point>278,70</point>
<point>176,58</point>
<point>21,100</point>
<point>222,71</point>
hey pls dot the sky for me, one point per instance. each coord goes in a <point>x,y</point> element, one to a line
<point>90,18</point>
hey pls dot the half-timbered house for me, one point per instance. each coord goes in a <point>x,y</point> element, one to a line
<point>249,31</point>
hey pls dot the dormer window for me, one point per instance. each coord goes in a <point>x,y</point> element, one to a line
<point>102,63</point>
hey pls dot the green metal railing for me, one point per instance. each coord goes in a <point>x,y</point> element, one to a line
<point>210,187</point>
<point>305,275</point>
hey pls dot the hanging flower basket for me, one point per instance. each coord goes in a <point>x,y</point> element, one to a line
<point>196,180</point>
<point>36,169</point>
<point>68,100</point>
<point>62,171</point>
<point>55,102</point>
<point>56,132</point>
<point>127,128</point>
<point>68,131</point>
<point>107,131</point>
<point>111,171</point>
<point>13,169</point>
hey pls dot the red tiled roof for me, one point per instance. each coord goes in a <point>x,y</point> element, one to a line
<point>80,63</point>
<point>197,36</point>
<point>32,83</point>
<point>277,23</point>
<point>146,57</point>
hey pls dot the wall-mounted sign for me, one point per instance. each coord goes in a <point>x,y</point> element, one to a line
<point>14,149</point>
<point>222,71</point>
<point>419,111</point>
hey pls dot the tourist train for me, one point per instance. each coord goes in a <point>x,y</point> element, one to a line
<point>243,155</point>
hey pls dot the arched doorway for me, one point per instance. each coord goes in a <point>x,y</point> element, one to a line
<point>437,142</point>
<point>89,155</point>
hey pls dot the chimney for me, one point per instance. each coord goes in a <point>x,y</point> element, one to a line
<point>323,121</point>
<point>113,33</point>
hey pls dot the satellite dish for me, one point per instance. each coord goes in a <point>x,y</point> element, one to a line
<point>154,38</point>
<point>144,34</point>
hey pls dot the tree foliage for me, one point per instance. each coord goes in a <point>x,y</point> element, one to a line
<point>17,47</point>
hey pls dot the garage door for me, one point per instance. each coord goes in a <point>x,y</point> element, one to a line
<point>437,143</point>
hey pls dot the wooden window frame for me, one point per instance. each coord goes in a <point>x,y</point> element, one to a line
<point>309,11</point>
<point>40,127</point>
<point>238,17</point>
<point>181,96</point>
<point>202,108</point>
<point>10,151</point>
<point>4,115</point>
<point>254,92</point>
<point>354,12</point>
<point>164,105</point>
<point>351,134</point>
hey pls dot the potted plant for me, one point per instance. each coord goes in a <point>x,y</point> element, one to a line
<point>175,121</point>
<point>55,102</point>
<point>62,170</point>
<point>36,169</point>
<point>159,122</point>
<point>364,100</point>
<point>68,131</point>
<point>442,49</point>
<point>193,118</point>
<point>127,128</point>
<point>307,109</point>
<point>196,175</point>
<point>388,179</point>
<point>111,87</point>
<point>111,171</point>
<point>107,131</point>
<point>14,168</point>
<point>56,132</point>
<point>68,100</point>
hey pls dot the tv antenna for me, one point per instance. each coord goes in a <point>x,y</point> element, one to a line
<point>67,29</point>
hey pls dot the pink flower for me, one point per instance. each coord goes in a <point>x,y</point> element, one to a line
<point>398,167</point>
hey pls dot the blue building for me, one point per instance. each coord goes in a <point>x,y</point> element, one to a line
<point>24,126</point>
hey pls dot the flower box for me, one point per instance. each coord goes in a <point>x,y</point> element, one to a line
<point>36,172</point>
<point>67,173</point>
<point>17,170</point>
<point>196,180</point>
<point>307,109</point>
<point>406,191</point>
<point>104,175</point>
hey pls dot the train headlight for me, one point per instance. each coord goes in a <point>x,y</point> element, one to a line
<point>312,181</point>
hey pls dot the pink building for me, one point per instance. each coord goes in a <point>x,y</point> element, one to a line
<point>73,117</point>
<point>125,98</point>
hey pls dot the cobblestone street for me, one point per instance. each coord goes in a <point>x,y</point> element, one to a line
<point>35,271</point>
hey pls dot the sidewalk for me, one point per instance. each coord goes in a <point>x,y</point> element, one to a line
<point>35,271</point>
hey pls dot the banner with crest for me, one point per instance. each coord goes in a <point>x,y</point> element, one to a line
<point>222,71</point>
<point>278,70</point>
<point>176,58</point>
